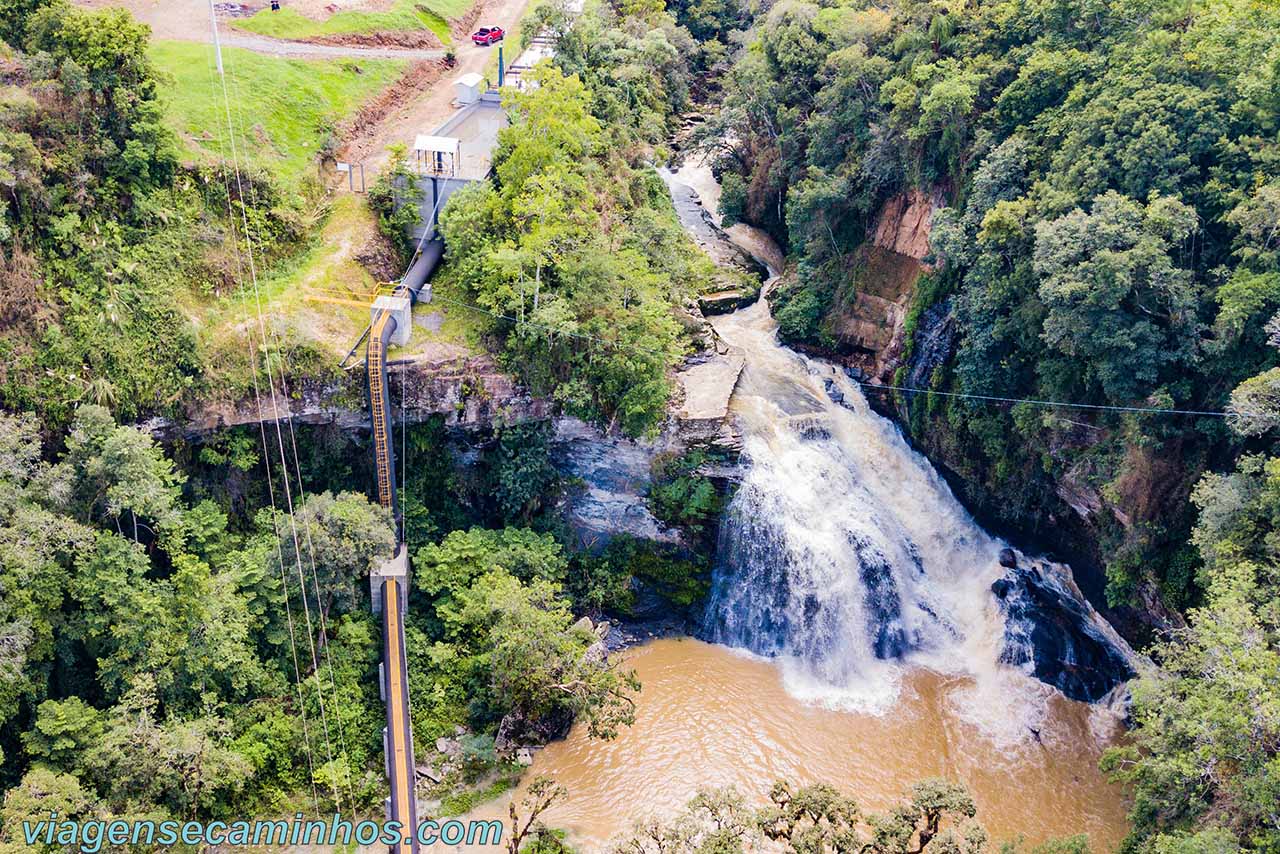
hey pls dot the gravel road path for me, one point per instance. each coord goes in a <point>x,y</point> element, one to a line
<point>188,20</point>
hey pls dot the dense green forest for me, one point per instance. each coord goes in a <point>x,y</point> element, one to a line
<point>575,244</point>
<point>1109,173</point>
<point>1109,236</point>
<point>148,667</point>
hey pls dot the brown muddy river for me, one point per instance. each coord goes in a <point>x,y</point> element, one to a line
<point>710,716</point>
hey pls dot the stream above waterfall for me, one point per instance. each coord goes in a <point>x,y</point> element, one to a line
<point>864,630</point>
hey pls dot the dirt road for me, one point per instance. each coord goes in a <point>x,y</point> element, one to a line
<point>434,106</point>
<point>188,20</point>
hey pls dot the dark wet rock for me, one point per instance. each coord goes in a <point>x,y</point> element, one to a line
<point>517,730</point>
<point>934,343</point>
<point>629,633</point>
<point>613,474</point>
<point>724,302</point>
<point>884,604</point>
<point>834,392</point>
<point>1008,559</point>
<point>1053,633</point>
<point>814,426</point>
<point>698,222</point>
<point>647,602</point>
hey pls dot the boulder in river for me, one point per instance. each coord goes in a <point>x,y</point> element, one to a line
<point>1057,635</point>
<point>517,730</point>
<point>723,302</point>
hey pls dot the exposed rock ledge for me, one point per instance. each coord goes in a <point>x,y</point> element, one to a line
<point>905,222</point>
<point>615,472</point>
<point>469,391</point>
<point>869,322</point>
<point>707,381</point>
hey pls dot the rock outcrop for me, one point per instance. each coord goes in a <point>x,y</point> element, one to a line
<point>1051,629</point>
<point>870,314</point>
<point>935,342</point>
<point>614,475</point>
<point>904,223</point>
<point>870,319</point>
<point>470,391</point>
<point>706,383</point>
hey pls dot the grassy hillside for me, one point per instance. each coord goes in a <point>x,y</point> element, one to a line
<point>285,108</point>
<point>404,15</point>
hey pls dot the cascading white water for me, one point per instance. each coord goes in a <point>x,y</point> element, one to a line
<point>843,552</point>
<point>846,556</point>
<point>847,560</point>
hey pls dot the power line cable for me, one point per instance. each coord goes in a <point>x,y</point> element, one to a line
<point>253,275</point>
<point>284,584</point>
<point>1144,410</point>
<point>306,526</point>
<point>293,444</point>
<point>1141,410</point>
<point>266,456</point>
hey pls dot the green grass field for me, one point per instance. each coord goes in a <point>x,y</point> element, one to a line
<point>326,266</point>
<point>405,15</point>
<point>281,109</point>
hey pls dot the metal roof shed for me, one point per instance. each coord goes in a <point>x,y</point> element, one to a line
<point>467,88</point>
<point>437,155</point>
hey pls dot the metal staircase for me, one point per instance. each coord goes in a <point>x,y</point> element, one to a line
<point>391,588</point>
<point>380,411</point>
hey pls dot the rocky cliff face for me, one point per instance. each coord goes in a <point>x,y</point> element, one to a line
<point>870,312</point>
<point>904,223</point>
<point>474,396</point>
<point>1051,630</point>
<point>615,476</point>
<point>469,391</point>
<point>868,321</point>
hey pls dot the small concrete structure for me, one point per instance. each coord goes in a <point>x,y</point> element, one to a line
<point>475,130</point>
<point>540,48</point>
<point>436,155</point>
<point>467,88</point>
<point>401,309</point>
<point>397,569</point>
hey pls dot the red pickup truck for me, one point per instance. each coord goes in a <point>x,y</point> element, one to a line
<point>486,36</point>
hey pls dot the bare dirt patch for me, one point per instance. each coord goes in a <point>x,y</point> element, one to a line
<point>379,257</point>
<point>322,10</point>
<point>384,38</point>
<point>359,128</point>
<point>432,105</point>
<point>187,20</point>
<point>462,27</point>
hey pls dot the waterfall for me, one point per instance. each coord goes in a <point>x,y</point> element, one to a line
<point>842,552</point>
<point>845,556</point>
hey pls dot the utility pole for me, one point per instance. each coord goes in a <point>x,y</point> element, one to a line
<point>217,42</point>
